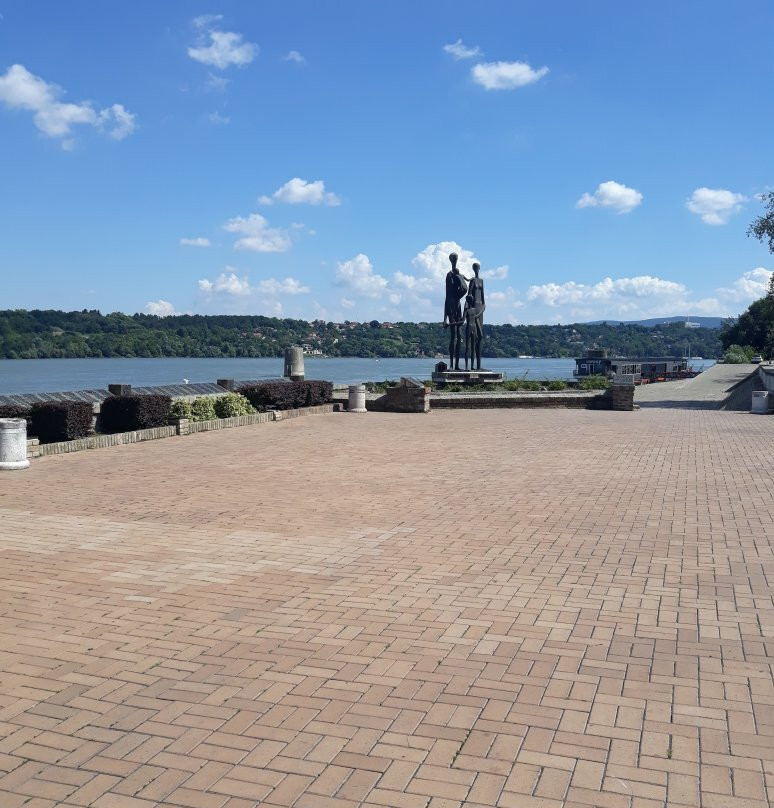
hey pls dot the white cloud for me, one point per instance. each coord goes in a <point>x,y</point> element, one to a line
<point>496,274</point>
<point>218,119</point>
<point>257,235</point>
<point>358,274</point>
<point>225,48</point>
<point>750,286</point>
<point>161,308</point>
<point>217,83</point>
<point>302,192</point>
<point>116,121</point>
<point>206,20</point>
<point>227,283</point>
<point>460,51</point>
<point>433,261</point>
<point>200,241</point>
<point>506,75</point>
<point>294,56</point>
<point>347,303</point>
<point>618,291</point>
<point>288,286</point>
<point>20,89</point>
<point>715,205</point>
<point>611,195</point>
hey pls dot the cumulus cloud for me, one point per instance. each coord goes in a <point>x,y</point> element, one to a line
<point>612,195</point>
<point>302,192</point>
<point>294,56</point>
<point>227,283</point>
<point>257,235</point>
<point>347,303</point>
<point>218,119</point>
<point>199,241</point>
<point>358,274</point>
<point>288,286</point>
<point>20,89</point>
<point>645,296</point>
<point>750,286</point>
<point>715,205</point>
<point>230,285</point>
<point>161,308</point>
<point>460,51</point>
<point>607,290</point>
<point>220,49</point>
<point>496,274</point>
<point>506,75</point>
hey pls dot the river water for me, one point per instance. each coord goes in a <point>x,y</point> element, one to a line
<point>57,375</point>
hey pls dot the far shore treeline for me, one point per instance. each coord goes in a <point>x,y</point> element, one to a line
<point>57,334</point>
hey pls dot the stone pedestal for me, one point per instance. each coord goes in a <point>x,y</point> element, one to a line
<point>357,398</point>
<point>467,377</point>
<point>13,444</point>
<point>294,363</point>
<point>409,396</point>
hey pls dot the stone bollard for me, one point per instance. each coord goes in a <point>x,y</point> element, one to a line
<point>357,398</point>
<point>294,363</point>
<point>760,402</point>
<point>13,444</point>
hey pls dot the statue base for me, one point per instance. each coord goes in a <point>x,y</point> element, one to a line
<point>467,377</point>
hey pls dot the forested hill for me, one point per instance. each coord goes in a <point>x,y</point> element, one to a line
<point>57,334</point>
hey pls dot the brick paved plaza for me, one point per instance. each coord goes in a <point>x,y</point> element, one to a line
<point>508,608</point>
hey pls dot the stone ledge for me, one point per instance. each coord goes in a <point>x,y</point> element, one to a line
<point>182,427</point>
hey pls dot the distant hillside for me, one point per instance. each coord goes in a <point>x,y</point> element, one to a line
<point>704,322</point>
<point>58,334</point>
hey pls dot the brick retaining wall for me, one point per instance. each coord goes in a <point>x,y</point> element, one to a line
<point>182,427</point>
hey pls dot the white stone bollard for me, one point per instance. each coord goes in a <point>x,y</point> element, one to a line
<point>760,402</point>
<point>13,444</point>
<point>357,398</point>
<point>294,363</point>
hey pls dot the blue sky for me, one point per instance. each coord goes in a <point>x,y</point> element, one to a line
<point>320,159</point>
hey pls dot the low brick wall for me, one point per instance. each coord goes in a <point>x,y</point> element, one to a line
<point>182,427</point>
<point>36,449</point>
<point>523,400</point>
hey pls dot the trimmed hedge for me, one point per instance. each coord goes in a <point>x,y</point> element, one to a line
<point>17,411</point>
<point>133,412</point>
<point>232,405</point>
<point>55,421</point>
<point>287,395</point>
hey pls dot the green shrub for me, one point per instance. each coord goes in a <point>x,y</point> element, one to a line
<point>738,354</point>
<point>556,384</point>
<point>203,409</point>
<point>232,405</point>
<point>515,385</point>
<point>181,409</point>
<point>593,383</point>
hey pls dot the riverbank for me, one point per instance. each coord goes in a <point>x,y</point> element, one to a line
<point>54,375</point>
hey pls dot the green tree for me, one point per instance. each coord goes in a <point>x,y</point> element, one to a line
<point>762,228</point>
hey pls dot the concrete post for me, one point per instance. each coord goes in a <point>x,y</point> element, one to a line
<point>760,401</point>
<point>357,398</point>
<point>13,444</point>
<point>294,363</point>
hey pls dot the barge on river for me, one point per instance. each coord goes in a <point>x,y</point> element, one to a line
<point>596,362</point>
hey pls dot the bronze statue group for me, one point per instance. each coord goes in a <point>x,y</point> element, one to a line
<point>472,317</point>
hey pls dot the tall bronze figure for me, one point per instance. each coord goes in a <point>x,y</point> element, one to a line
<point>476,291</point>
<point>456,289</point>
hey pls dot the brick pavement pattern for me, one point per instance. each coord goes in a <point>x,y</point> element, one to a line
<point>511,608</point>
